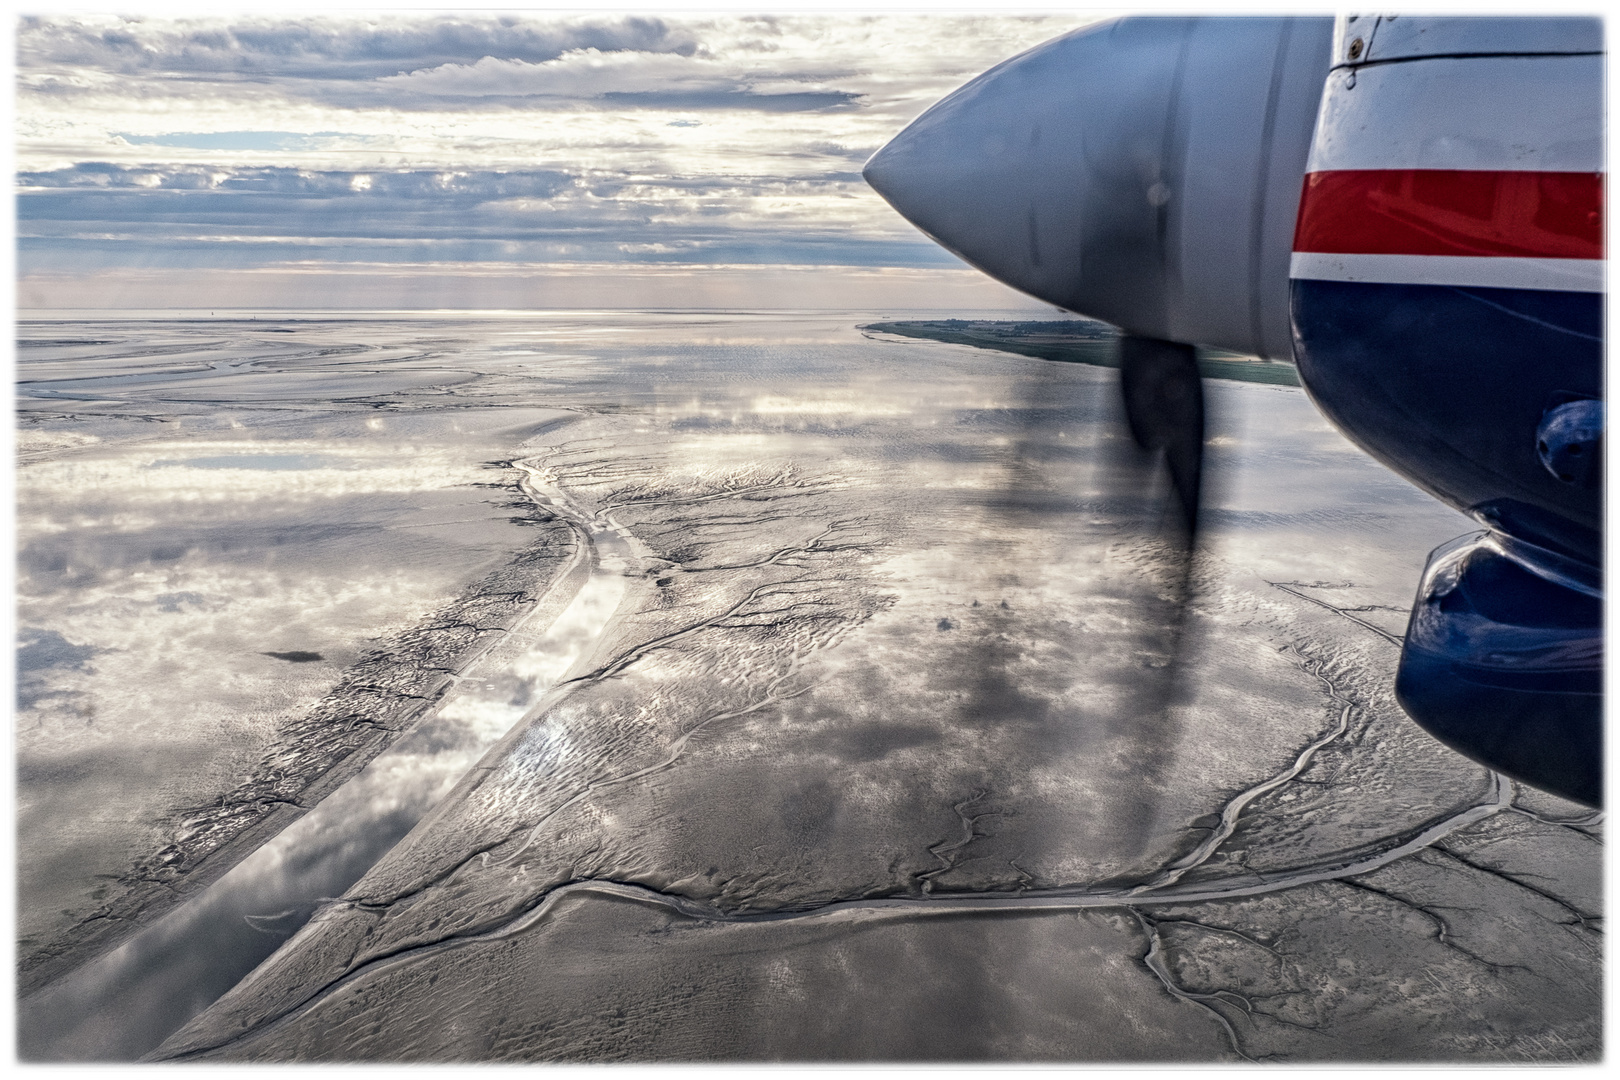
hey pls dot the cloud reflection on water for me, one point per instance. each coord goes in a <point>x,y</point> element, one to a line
<point>964,651</point>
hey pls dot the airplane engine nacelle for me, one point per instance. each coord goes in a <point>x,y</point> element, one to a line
<point>1145,172</point>
<point>1448,316</point>
<point>1448,266</point>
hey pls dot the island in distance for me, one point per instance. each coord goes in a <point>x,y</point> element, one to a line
<point>665,687</point>
<point>1078,341</point>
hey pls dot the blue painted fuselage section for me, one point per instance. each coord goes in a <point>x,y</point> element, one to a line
<point>1448,386</point>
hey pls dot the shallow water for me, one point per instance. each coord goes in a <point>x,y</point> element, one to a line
<point>122,1005</point>
<point>874,625</point>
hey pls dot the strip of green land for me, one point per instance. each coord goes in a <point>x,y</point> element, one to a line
<point>1079,341</point>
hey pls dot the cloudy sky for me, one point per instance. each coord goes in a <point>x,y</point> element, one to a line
<point>384,160</point>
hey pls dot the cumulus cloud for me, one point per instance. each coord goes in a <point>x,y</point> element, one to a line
<point>435,184</point>
<point>657,80</point>
<point>578,73</point>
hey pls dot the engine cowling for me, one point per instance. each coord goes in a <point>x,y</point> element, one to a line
<point>1145,172</point>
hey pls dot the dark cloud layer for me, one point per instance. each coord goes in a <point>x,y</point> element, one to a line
<point>402,64</point>
<point>96,214</point>
<point>358,49</point>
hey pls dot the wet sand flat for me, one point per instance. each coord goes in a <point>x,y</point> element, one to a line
<point>886,750</point>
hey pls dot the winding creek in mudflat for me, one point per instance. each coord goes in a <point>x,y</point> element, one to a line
<point>616,686</point>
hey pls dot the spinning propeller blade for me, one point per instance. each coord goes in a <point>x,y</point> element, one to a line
<point>1146,173</point>
<point>1164,405</point>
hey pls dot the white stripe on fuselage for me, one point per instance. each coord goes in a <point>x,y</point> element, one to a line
<point>1490,272</point>
<point>1536,113</point>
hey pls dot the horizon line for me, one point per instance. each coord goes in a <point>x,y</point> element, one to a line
<point>650,310</point>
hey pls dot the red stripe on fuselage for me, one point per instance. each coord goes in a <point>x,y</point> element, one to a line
<point>1548,215</point>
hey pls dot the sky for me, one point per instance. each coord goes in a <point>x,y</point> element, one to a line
<point>390,160</point>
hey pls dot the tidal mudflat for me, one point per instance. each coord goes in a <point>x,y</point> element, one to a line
<point>610,686</point>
